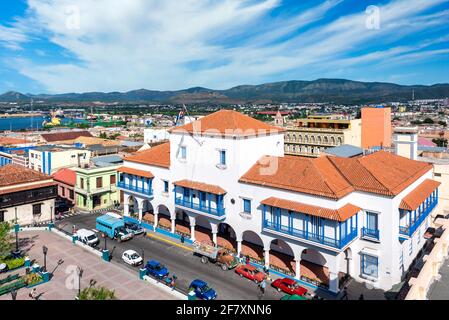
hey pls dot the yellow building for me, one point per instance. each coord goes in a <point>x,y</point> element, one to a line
<point>311,136</point>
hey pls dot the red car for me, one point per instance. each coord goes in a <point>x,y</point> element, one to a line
<point>289,286</point>
<point>250,272</point>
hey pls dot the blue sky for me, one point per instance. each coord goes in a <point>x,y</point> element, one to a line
<point>56,46</point>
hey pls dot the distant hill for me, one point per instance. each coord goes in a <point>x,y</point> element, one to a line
<point>321,90</point>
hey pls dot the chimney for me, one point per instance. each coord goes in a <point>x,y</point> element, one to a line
<point>406,142</point>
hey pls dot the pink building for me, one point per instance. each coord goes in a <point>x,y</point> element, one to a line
<point>66,180</point>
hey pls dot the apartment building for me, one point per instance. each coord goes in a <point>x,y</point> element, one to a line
<point>312,136</point>
<point>225,179</point>
<point>96,186</point>
<point>49,159</point>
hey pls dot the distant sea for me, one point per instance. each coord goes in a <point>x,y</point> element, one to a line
<point>31,122</point>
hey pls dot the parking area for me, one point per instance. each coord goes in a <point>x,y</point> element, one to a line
<point>64,284</point>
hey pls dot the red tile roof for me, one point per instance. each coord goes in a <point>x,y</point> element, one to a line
<point>210,188</point>
<point>27,187</point>
<point>66,176</point>
<point>341,214</point>
<point>156,156</point>
<point>12,174</point>
<point>62,136</point>
<point>6,141</point>
<point>415,198</point>
<point>332,177</point>
<point>228,123</point>
<point>136,172</point>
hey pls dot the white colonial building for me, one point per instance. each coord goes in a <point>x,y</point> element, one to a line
<point>224,178</point>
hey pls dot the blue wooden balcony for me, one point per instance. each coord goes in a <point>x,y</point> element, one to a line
<point>307,235</point>
<point>148,192</point>
<point>205,208</point>
<point>410,229</point>
<point>370,233</point>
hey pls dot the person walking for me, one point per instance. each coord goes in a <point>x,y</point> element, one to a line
<point>247,260</point>
<point>263,285</point>
<point>33,294</point>
<point>345,294</point>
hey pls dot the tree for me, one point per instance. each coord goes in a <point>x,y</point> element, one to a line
<point>5,239</point>
<point>442,123</point>
<point>100,293</point>
<point>440,142</point>
<point>428,121</point>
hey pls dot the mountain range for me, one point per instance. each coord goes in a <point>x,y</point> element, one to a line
<point>321,90</point>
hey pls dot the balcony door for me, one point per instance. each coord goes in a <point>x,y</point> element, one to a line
<point>371,221</point>
<point>316,227</point>
<point>203,199</point>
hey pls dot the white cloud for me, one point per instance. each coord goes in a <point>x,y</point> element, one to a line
<point>171,44</point>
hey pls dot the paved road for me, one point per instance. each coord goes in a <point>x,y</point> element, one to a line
<point>181,262</point>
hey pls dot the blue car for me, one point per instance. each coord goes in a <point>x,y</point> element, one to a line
<point>202,290</point>
<point>156,269</point>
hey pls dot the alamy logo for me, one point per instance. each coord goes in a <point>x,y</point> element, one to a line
<point>372,21</point>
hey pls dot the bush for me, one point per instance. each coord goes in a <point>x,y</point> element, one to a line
<point>32,279</point>
<point>15,263</point>
<point>100,293</point>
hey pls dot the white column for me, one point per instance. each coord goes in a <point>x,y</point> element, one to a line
<point>267,257</point>
<point>140,209</point>
<point>333,282</point>
<point>192,232</point>
<point>239,248</point>
<point>192,221</point>
<point>298,269</point>
<point>155,220</point>
<point>214,233</point>
<point>173,225</point>
<point>126,205</point>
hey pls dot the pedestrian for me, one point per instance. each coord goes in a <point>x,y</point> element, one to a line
<point>182,238</point>
<point>247,260</point>
<point>263,285</point>
<point>345,294</point>
<point>33,294</point>
<point>73,229</point>
<point>361,297</point>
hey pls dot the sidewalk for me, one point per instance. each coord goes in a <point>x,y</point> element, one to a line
<point>64,284</point>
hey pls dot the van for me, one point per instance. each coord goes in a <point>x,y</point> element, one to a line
<point>87,237</point>
<point>114,228</point>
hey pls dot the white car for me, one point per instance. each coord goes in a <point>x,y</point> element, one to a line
<point>132,258</point>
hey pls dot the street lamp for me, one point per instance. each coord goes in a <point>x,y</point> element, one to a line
<point>51,214</point>
<point>44,251</point>
<point>14,294</point>
<point>143,256</point>
<point>105,236</point>
<point>80,275</point>
<point>16,230</point>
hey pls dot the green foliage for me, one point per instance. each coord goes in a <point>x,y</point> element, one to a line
<point>442,123</point>
<point>440,142</point>
<point>5,239</point>
<point>14,263</point>
<point>32,279</point>
<point>428,121</point>
<point>100,293</point>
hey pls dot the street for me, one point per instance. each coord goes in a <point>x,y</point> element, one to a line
<point>181,262</point>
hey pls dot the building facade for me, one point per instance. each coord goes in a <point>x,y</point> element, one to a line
<point>49,159</point>
<point>376,127</point>
<point>66,181</point>
<point>312,136</point>
<point>96,187</point>
<point>26,195</point>
<point>225,179</point>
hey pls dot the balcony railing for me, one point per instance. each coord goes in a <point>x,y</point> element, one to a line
<point>143,191</point>
<point>318,238</point>
<point>410,230</point>
<point>219,212</point>
<point>370,233</point>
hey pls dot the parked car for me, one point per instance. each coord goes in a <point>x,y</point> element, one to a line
<point>87,237</point>
<point>132,258</point>
<point>202,290</point>
<point>134,228</point>
<point>156,269</point>
<point>289,286</point>
<point>250,272</point>
<point>122,234</point>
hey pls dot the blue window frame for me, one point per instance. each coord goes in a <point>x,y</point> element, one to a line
<point>370,266</point>
<point>165,186</point>
<point>246,205</point>
<point>223,157</point>
<point>371,221</point>
<point>183,152</point>
<point>186,193</point>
